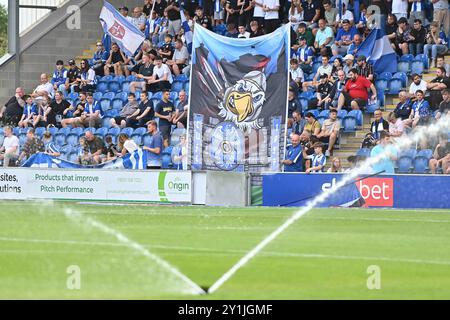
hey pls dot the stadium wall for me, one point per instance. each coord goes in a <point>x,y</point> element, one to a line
<point>394,191</point>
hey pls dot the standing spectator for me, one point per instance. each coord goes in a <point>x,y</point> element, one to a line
<point>311,13</point>
<point>44,89</point>
<point>435,87</point>
<point>417,11</point>
<point>346,15</point>
<point>180,117</point>
<point>128,114</point>
<point>164,111</point>
<point>73,74</point>
<point>330,132</point>
<point>147,8</point>
<point>298,124</point>
<point>324,37</point>
<point>318,159</point>
<point>95,146</point>
<point>180,155</point>
<point>385,153</point>
<point>294,160</point>
<point>402,36</point>
<point>146,111</point>
<point>32,146</point>
<point>378,125</point>
<point>9,152</point>
<point>344,38</point>
<point>312,125</point>
<point>441,156</point>
<point>30,110</point>
<point>232,11</point>
<point>436,43</point>
<point>154,149</point>
<point>271,18</point>
<point>126,145</point>
<point>364,69</point>
<point>12,111</point>
<point>441,14</point>
<point>355,92</point>
<point>99,59</point>
<point>330,13</point>
<point>417,38</point>
<point>201,19</point>
<point>173,14</point>
<point>400,8</point>
<point>396,126</point>
<point>417,84</point>
<point>59,76</point>
<point>403,108</point>
<point>180,58</point>
<point>258,12</point>
<point>162,77</point>
<point>116,62</point>
<point>295,13</point>
<point>336,166</point>
<point>444,106</point>
<point>421,112</point>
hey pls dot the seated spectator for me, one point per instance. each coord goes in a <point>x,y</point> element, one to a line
<point>391,30</point>
<point>231,31</point>
<point>396,126</point>
<point>294,160</point>
<point>87,81</point>
<point>180,155</point>
<point>311,13</point>
<point>435,87</point>
<point>72,113</point>
<point>116,62</point>
<point>293,104</point>
<point>161,28</point>
<point>55,114</point>
<point>296,72</point>
<point>364,69</point>
<point>181,111</point>
<point>298,123</point>
<point>346,15</point>
<point>40,120</point>
<point>330,132</point>
<point>386,155</point>
<point>164,111</point>
<point>50,147</point>
<point>402,36</point>
<point>436,43</point>
<point>243,33</point>
<point>146,112</point>
<point>324,37</point>
<point>145,73</point>
<point>444,106</point>
<point>440,62</point>
<point>417,38</point>
<point>111,149</point>
<point>323,92</point>
<point>337,65</point>
<point>349,60</point>
<point>318,159</point>
<point>95,146</point>
<point>312,125</point>
<point>126,145</point>
<point>306,33</point>
<point>92,114</point>
<point>325,68</point>
<point>84,155</point>
<point>9,151</point>
<point>344,38</point>
<point>378,125</point>
<point>337,88</point>
<point>166,50</point>
<point>59,76</point>
<point>336,166</point>
<point>73,76</point>
<point>403,108</point>
<point>417,84</point>
<point>255,31</point>
<point>355,92</point>
<point>128,114</point>
<point>304,56</point>
<point>161,78</point>
<point>99,59</point>
<point>30,110</point>
<point>330,13</point>
<point>12,111</point>
<point>441,156</point>
<point>43,90</point>
<point>180,58</point>
<point>138,18</point>
<point>32,146</point>
<point>355,45</point>
<point>421,112</point>
<point>155,147</point>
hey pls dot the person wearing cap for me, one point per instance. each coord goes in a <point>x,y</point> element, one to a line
<point>364,69</point>
<point>99,59</point>
<point>303,31</point>
<point>349,63</point>
<point>59,76</point>
<point>355,45</point>
<point>346,15</point>
<point>73,74</point>
<point>201,19</point>
<point>344,38</point>
<point>386,155</point>
<point>355,94</point>
<point>304,55</point>
<point>318,159</point>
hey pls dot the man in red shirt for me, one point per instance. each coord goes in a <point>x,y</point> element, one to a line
<point>355,94</point>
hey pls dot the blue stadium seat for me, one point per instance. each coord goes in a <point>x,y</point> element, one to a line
<point>323,115</point>
<point>381,85</point>
<point>1,130</point>
<point>52,130</point>
<point>426,153</point>
<point>140,131</point>
<point>358,115</point>
<point>403,66</point>
<point>316,66</point>
<point>60,139</point>
<point>127,131</point>
<point>181,77</point>
<point>304,103</point>
<point>109,95</point>
<point>105,104</point>
<point>119,79</point>
<point>126,86</point>
<point>72,139</point>
<point>102,131</point>
<point>91,129</point>
<point>173,95</point>
<point>363,153</point>
<point>417,67</point>
<point>117,104</point>
<point>72,96</point>
<point>404,164</point>
<point>422,57</point>
<point>349,123</point>
<point>114,86</point>
<point>2,138</point>
<point>177,86</point>
<point>114,131</point>
<point>78,131</point>
<point>112,113</point>
<point>98,95</point>
<point>107,78</point>
<point>157,95</point>
<point>372,107</point>
<point>72,157</point>
<point>402,76</point>
<point>102,87</point>
<point>16,131</point>
<point>406,58</point>
<point>315,112</point>
<point>385,76</point>
<point>131,78</point>
<point>65,131</point>
<point>186,87</point>
<point>137,138</point>
<point>395,85</point>
<point>23,130</point>
<point>421,164</point>
<point>40,131</point>
<point>122,96</point>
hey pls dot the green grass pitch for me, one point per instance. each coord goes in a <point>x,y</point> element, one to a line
<point>323,255</point>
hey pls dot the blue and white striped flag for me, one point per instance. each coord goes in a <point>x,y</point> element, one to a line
<point>378,51</point>
<point>124,33</point>
<point>187,31</point>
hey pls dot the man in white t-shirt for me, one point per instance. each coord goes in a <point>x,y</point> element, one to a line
<point>271,19</point>
<point>400,8</point>
<point>417,84</point>
<point>162,76</point>
<point>44,89</point>
<point>9,151</point>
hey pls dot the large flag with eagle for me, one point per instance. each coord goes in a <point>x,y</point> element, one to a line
<point>238,101</point>
<point>124,33</point>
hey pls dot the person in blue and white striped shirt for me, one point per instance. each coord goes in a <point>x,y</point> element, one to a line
<point>318,159</point>
<point>50,147</point>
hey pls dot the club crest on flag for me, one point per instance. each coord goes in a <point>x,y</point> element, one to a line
<point>117,30</point>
